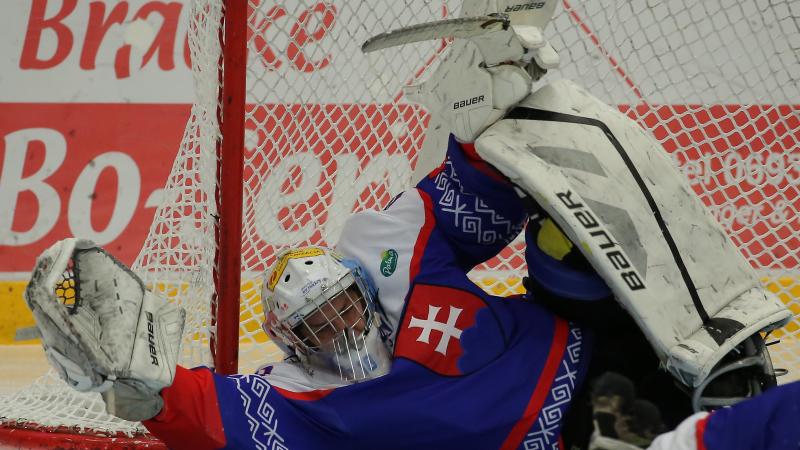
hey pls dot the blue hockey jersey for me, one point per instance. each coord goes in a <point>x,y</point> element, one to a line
<point>470,370</point>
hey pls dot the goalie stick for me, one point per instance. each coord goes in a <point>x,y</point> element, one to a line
<point>462,27</point>
<point>497,37</point>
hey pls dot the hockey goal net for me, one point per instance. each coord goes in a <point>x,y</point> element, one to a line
<point>328,132</point>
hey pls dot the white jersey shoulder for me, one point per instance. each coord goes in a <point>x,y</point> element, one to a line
<point>383,242</point>
<point>293,377</point>
<point>682,438</point>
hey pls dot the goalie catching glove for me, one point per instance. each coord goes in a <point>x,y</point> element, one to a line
<point>102,330</point>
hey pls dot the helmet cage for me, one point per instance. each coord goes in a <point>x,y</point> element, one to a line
<point>341,307</point>
<point>322,309</point>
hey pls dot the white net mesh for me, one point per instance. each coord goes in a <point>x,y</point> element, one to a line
<point>328,133</point>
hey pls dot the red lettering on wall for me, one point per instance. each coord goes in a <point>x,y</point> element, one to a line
<point>304,51</point>
<point>97,28</point>
<point>260,43</point>
<point>99,23</point>
<point>165,40</point>
<point>325,15</point>
<point>115,163</point>
<point>187,53</point>
<point>37,23</point>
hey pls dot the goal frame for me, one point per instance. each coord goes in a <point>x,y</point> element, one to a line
<point>232,327</point>
<point>230,147</point>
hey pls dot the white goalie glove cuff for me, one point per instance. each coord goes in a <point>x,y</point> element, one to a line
<point>528,19</point>
<point>467,96</point>
<point>498,52</point>
<point>99,324</point>
<point>484,77</point>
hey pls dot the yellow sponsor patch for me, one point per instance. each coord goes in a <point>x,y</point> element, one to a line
<point>284,260</point>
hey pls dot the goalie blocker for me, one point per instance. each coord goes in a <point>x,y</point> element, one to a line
<point>614,192</point>
<point>485,72</point>
<point>102,330</point>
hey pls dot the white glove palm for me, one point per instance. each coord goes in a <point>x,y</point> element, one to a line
<point>101,329</point>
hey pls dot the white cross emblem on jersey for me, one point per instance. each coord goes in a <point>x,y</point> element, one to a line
<point>448,329</point>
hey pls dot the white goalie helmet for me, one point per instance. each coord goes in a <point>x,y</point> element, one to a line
<point>321,307</point>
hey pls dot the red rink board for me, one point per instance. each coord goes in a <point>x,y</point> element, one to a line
<point>753,190</point>
<point>102,144</point>
<point>87,170</point>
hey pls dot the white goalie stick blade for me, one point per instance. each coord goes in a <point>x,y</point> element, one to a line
<point>614,191</point>
<point>463,27</point>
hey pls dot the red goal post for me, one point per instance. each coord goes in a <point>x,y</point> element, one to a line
<point>306,129</point>
<point>233,92</point>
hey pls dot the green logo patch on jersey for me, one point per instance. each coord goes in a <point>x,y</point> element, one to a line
<point>388,262</point>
